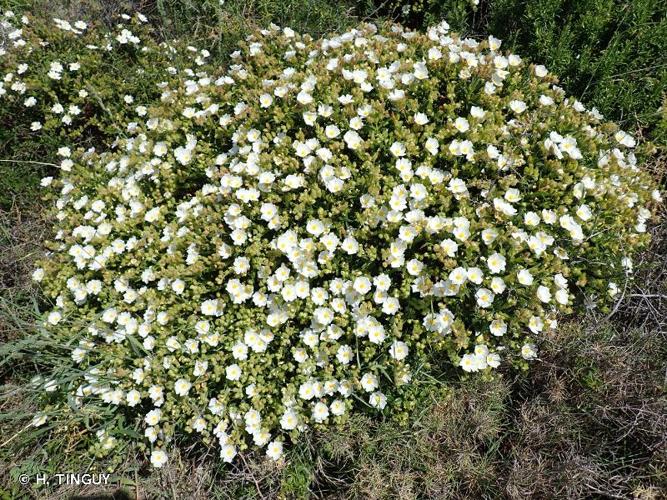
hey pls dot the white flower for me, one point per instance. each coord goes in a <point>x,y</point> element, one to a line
<point>178,286</point>
<point>382,282</point>
<point>320,412</point>
<point>337,407</point>
<point>625,139</point>
<point>420,70</point>
<point>461,124</point>
<point>352,139</point>
<point>498,327</point>
<point>356,123</point>
<point>484,297</point>
<point>233,372</point>
<point>498,285</point>
<point>535,324</point>
<point>546,100</point>
<point>496,263</point>
<point>468,363</point>
<point>362,285</point>
<point>183,155</point>
<point>493,360</point>
<point>152,215</point>
<point>504,207</point>
<point>376,334</point>
<point>304,97</point>
<point>529,351</point>
<point>584,212</point>
<point>331,131</point>
<point>350,245</point>
<point>158,458</point>
<point>38,274</point>
<point>265,100</point>
<point>477,112</point>
<point>227,453</point>
<point>656,196</point>
<point>399,350</point>
<point>323,315</point>
<point>274,450</point>
<point>182,387</point>
<point>449,246</point>
<point>344,354</point>
<point>153,417</point>
<point>458,276</point>
<point>151,434</point>
<point>210,307</point>
<point>531,219</point>
<point>369,382</point>
<point>39,420</point>
<point>378,400</point>
<point>160,149</point>
<point>397,149</point>
<point>517,106</point>
<point>289,420</point>
<point>525,277</point>
<point>54,317</point>
<point>540,71</point>
<point>543,293</point>
<point>475,275</point>
<point>432,145</point>
<point>421,119</point>
<point>562,297</point>
<point>390,305</point>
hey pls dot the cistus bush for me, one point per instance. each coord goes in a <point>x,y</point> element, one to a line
<point>273,246</point>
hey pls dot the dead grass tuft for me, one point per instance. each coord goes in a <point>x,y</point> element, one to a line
<point>22,229</point>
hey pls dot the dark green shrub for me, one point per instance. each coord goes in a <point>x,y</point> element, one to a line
<point>609,53</point>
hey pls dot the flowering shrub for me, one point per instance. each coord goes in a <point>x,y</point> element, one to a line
<point>79,84</point>
<point>267,248</point>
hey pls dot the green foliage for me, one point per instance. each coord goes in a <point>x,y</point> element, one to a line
<point>610,53</point>
<point>92,99</point>
<point>459,14</point>
<point>220,26</point>
<point>207,24</point>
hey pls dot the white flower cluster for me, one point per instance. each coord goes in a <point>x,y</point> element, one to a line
<point>54,91</point>
<point>274,243</point>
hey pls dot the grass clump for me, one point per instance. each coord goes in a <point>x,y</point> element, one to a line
<point>556,433</point>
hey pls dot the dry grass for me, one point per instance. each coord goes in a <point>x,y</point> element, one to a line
<point>22,229</point>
